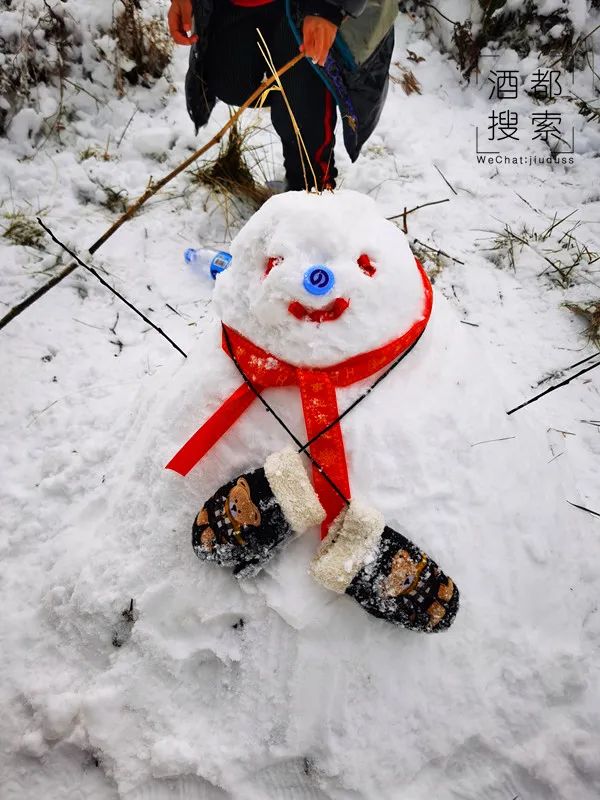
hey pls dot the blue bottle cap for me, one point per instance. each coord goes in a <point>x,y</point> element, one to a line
<point>189,255</point>
<point>319,279</point>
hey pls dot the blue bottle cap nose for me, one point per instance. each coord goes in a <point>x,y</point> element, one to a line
<point>319,279</point>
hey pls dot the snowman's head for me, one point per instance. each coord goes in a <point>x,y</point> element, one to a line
<point>316,279</point>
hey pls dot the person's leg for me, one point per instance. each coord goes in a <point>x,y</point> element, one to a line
<point>235,66</point>
<point>314,109</point>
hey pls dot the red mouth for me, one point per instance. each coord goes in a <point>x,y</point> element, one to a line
<point>333,311</point>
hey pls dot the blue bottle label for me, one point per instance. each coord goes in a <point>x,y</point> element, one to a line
<point>220,262</point>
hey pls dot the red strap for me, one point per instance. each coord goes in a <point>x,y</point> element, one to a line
<point>212,430</point>
<point>319,404</point>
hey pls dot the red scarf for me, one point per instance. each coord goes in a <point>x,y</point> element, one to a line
<point>319,404</point>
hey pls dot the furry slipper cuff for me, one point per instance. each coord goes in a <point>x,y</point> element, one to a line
<point>351,543</point>
<point>293,490</point>
<point>385,572</point>
<point>243,523</point>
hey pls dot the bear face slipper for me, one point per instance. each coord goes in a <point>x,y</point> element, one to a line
<point>385,572</point>
<point>244,522</point>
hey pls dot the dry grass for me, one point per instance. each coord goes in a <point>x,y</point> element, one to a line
<point>115,200</point>
<point>406,79</point>
<point>229,174</point>
<point>564,259</point>
<point>523,27</point>
<point>95,152</point>
<point>412,56</point>
<point>468,49</point>
<point>587,110</point>
<point>591,314</point>
<point>433,260</point>
<point>39,53</point>
<point>144,46</point>
<point>22,230</point>
<point>556,245</point>
<point>47,50</point>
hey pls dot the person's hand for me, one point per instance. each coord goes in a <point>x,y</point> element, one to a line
<point>180,21</point>
<point>318,35</point>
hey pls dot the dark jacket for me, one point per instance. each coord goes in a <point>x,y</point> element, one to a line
<point>356,71</point>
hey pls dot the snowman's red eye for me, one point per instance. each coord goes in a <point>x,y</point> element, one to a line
<point>364,262</point>
<point>272,262</point>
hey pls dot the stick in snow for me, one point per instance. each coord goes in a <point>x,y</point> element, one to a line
<point>583,508</point>
<point>552,388</point>
<point>112,289</point>
<point>30,299</point>
<point>438,252</point>
<point>445,179</point>
<point>406,211</point>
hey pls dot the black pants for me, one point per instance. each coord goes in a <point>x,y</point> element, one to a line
<point>235,68</point>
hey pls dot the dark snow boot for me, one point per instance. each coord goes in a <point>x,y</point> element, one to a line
<point>386,573</point>
<point>244,521</point>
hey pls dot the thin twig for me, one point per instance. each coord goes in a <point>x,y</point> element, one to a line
<point>564,433</point>
<point>489,441</point>
<point>361,397</point>
<point>20,307</point>
<point>438,252</point>
<point>552,388</point>
<point>406,213</point>
<point>528,203</point>
<point>556,222</point>
<point>580,39</point>
<point>559,372</point>
<point>112,289</point>
<point>125,129</point>
<point>445,179</point>
<point>430,5</point>
<point>583,508</point>
<point>79,88</point>
<point>583,360</point>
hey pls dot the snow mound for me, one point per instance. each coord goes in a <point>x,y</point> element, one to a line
<point>275,688</point>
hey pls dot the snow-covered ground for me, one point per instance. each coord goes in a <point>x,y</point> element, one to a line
<point>309,697</point>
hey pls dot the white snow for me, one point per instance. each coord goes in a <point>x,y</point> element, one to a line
<point>310,697</point>
<point>24,126</point>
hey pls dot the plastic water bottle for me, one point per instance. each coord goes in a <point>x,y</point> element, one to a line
<point>207,260</point>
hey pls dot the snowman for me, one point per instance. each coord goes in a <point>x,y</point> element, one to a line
<point>275,683</point>
<point>324,294</point>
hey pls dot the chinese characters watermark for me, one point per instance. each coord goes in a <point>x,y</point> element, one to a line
<point>505,124</point>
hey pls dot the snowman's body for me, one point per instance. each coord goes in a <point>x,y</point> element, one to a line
<point>324,293</point>
<point>311,697</point>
